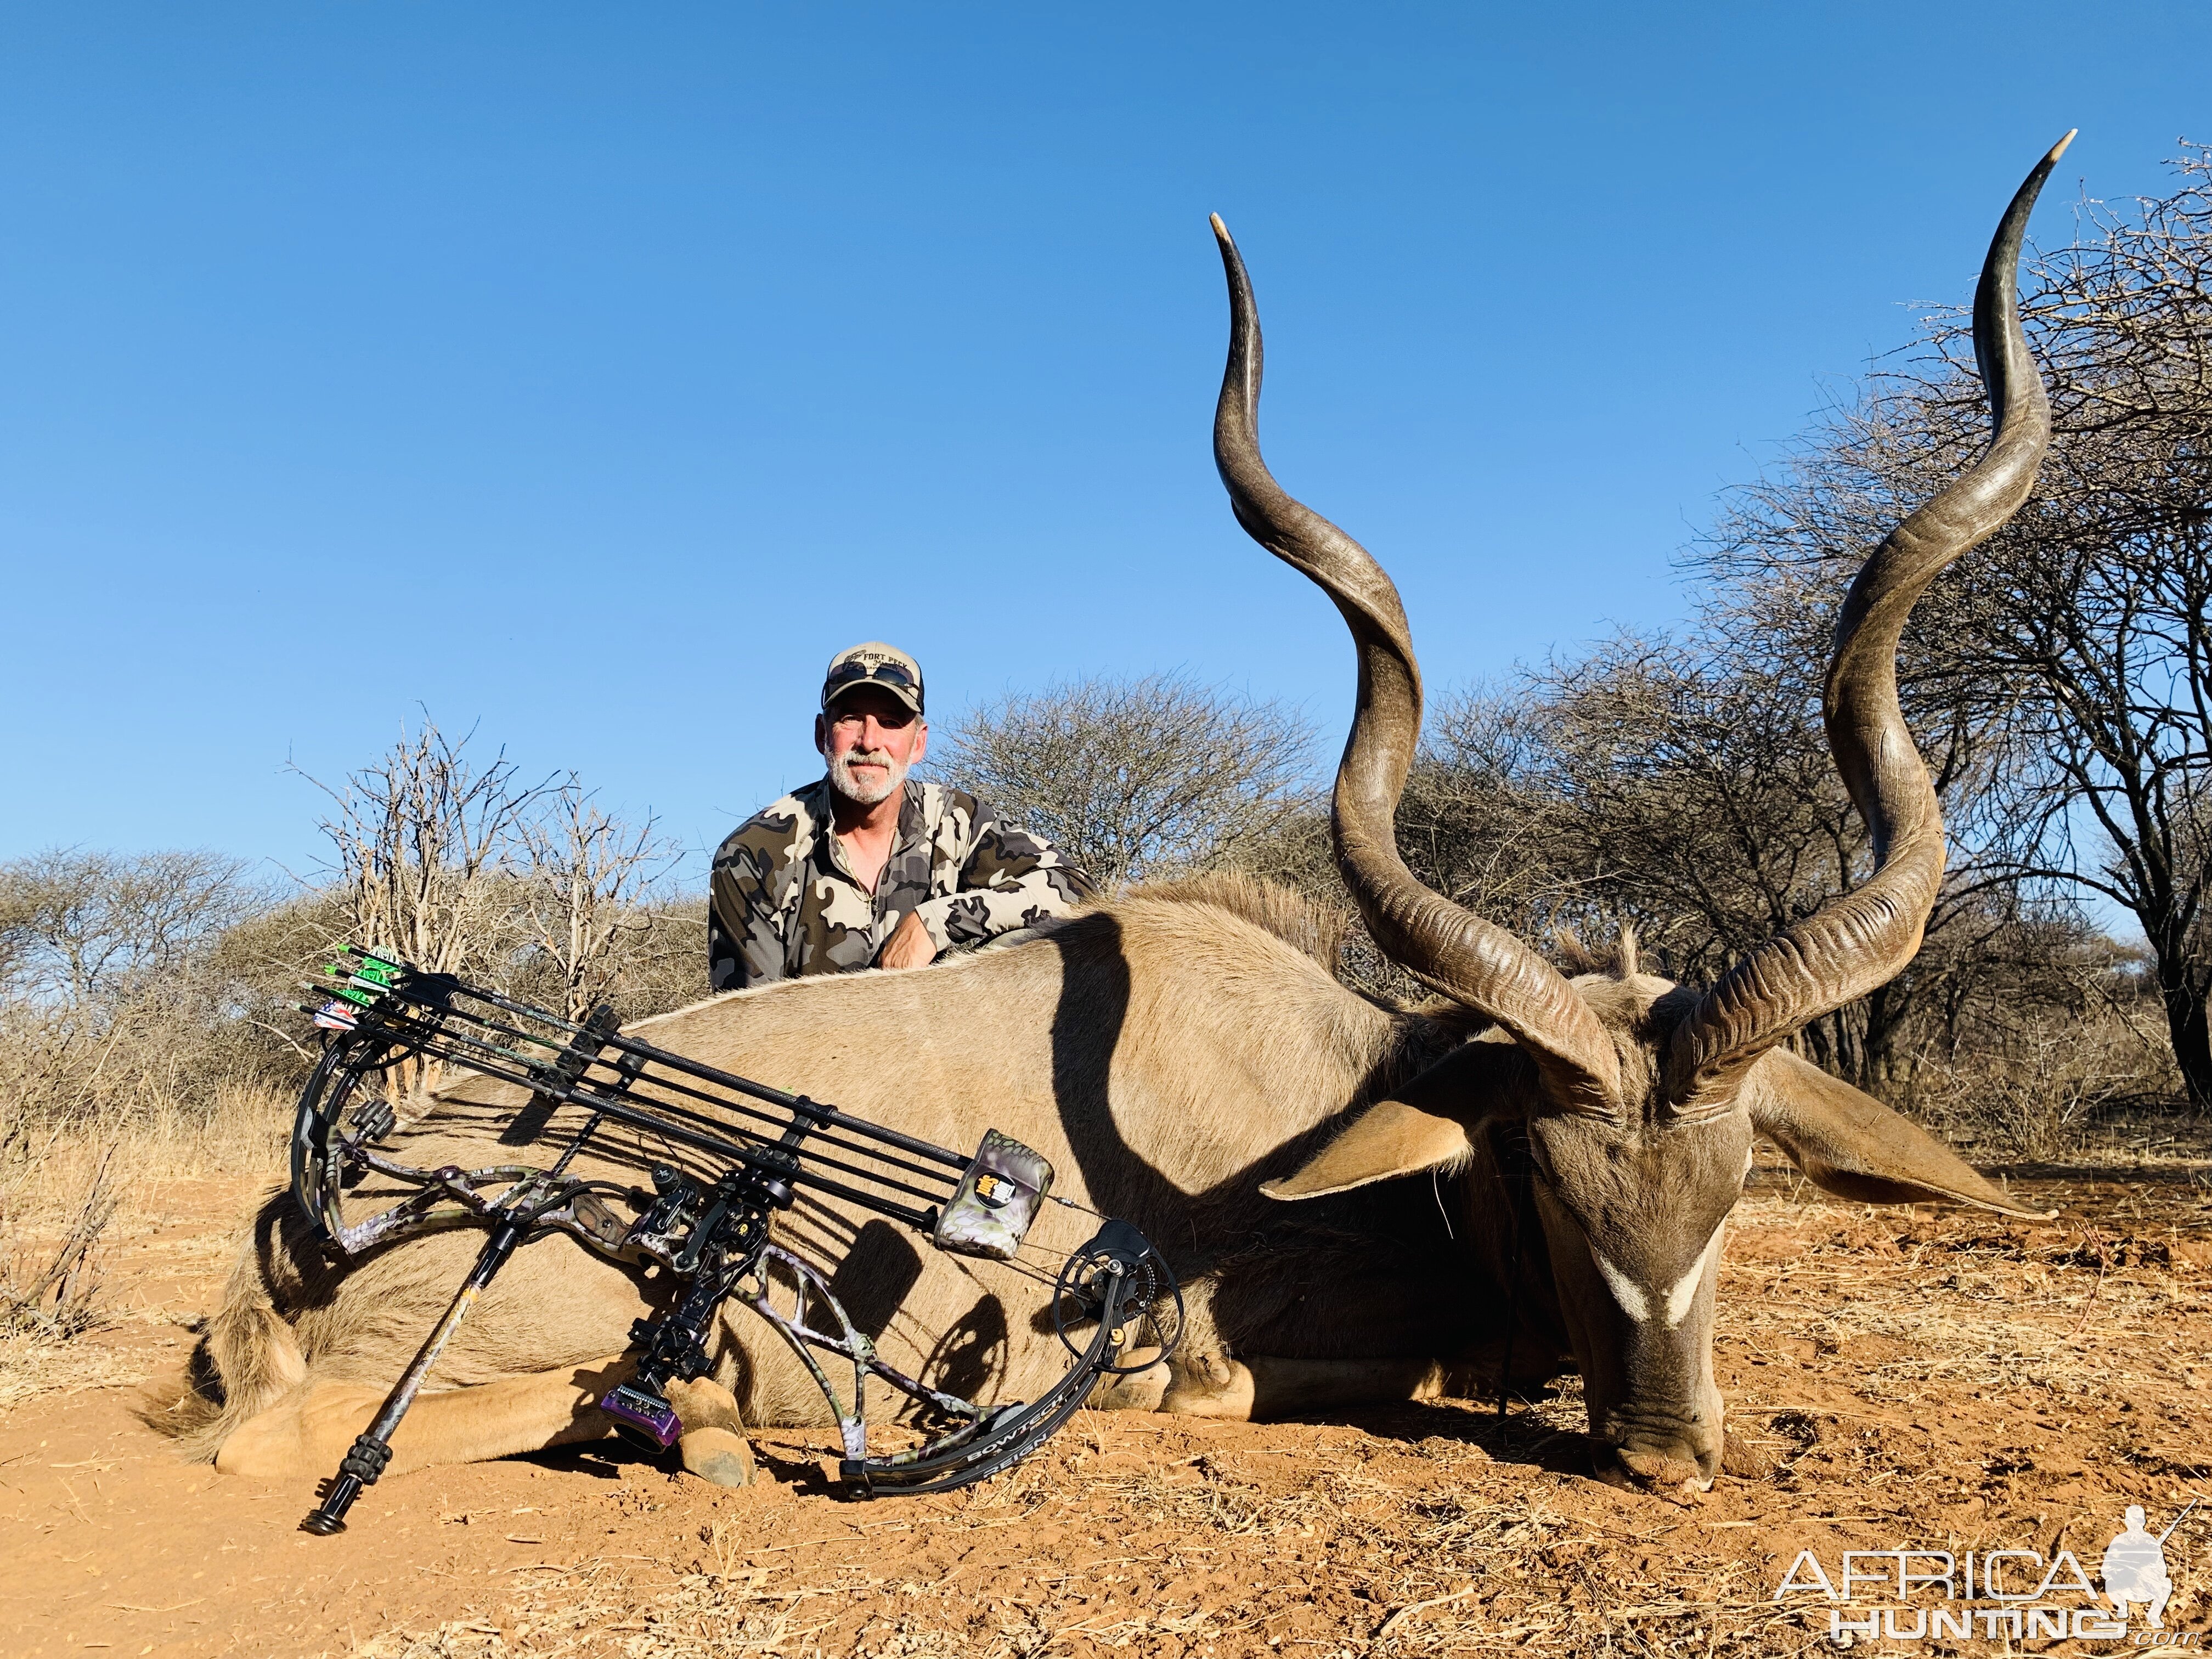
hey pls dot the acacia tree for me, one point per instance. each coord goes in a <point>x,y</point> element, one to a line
<point>424,842</point>
<point>464,868</point>
<point>1483,815</point>
<point>111,987</point>
<point>585,892</point>
<point>2083,632</point>
<point>1680,783</point>
<point>88,928</point>
<point>1135,778</point>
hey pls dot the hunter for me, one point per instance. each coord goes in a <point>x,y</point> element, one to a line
<point>867,868</point>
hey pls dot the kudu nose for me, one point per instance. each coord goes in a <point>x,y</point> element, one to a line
<point>1671,1464</point>
<point>1658,1469</point>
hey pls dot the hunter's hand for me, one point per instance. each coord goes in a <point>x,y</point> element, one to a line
<point>908,946</point>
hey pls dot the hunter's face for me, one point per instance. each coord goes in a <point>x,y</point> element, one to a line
<point>871,739</point>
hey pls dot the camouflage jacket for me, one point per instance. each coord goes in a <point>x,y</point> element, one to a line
<point>786,903</point>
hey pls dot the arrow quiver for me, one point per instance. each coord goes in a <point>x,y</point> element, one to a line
<point>737,1154</point>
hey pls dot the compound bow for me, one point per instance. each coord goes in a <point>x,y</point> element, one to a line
<point>753,1149</point>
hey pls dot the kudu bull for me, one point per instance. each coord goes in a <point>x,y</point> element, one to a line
<point>1187,1059</point>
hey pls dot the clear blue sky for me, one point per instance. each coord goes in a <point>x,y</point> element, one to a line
<point>593,373</point>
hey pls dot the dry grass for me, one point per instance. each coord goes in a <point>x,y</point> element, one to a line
<point>1210,1561</point>
<point>1985,1311</point>
<point>68,1202</point>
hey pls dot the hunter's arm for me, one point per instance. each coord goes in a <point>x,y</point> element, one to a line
<point>1009,879</point>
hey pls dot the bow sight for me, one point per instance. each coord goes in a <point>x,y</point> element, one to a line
<point>740,1152</point>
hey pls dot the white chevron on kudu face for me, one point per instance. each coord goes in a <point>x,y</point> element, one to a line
<point>1684,1291</point>
<point>1636,1301</point>
<point>1625,1290</point>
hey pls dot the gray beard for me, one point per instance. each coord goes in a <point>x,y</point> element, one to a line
<point>867,795</point>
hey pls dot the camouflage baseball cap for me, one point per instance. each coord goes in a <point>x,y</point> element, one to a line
<point>873,664</point>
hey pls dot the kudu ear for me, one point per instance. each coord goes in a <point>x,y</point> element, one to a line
<point>1390,1138</point>
<point>1849,1144</point>
<point>1426,1128</point>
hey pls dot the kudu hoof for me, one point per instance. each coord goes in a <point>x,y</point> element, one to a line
<point>713,1445</point>
<point>1139,1391</point>
<point>717,1455</point>
<point>1209,1385</point>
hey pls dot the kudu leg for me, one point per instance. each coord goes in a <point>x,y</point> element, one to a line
<point>308,1431</point>
<point>1262,1386</point>
<point>713,1445</point>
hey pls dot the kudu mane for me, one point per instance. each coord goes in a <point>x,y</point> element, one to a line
<point>1304,925</point>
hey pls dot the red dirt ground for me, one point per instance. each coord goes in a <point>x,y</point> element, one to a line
<point>1922,1377</point>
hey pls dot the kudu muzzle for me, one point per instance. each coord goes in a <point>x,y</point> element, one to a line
<point>1643,1342</point>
